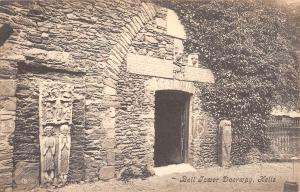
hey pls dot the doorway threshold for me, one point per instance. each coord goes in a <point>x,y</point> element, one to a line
<point>176,168</point>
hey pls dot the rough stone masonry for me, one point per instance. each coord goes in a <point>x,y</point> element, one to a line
<point>78,84</point>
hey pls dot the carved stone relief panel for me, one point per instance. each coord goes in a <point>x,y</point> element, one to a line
<point>56,103</point>
<point>55,114</point>
<point>199,126</point>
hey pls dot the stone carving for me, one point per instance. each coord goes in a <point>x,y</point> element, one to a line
<point>225,139</point>
<point>178,72</point>
<point>199,126</point>
<point>56,103</point>
<point>55,106</point>
<point>178,50</point>
<point>48,147</point>
<point>193,60</point>
<point>64,152</point>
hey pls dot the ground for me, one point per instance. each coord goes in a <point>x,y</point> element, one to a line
<point>275,174</point>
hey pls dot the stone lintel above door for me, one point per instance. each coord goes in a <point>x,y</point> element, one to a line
<point>150,66</point>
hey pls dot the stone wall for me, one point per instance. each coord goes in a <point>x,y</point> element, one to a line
<point>85,44</point>
<point>80,42</point>
<point>152,41</point>
<point>153,48</point>
<point>26,135</point>
<point>204,143</point>
<point>131,134</point>
<point>7,116</point>
<point>7,126</point>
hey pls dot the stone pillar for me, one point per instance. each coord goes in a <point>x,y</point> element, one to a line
<point>225,139</point>
<point>108,171</point>
<point>7,126</point>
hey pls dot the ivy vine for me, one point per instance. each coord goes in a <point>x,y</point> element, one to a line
<point>250,47</point>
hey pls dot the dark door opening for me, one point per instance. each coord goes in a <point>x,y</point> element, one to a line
<point>171,127</point>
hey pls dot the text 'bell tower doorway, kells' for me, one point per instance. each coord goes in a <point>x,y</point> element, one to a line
<point>171,127</point>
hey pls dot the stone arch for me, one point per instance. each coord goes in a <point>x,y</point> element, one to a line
<point>129,32</point>
<point>111,74</point>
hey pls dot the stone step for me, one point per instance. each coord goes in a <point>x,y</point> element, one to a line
<point>178,168</point>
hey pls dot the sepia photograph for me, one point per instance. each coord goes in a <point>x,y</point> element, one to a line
<point>149,95</point>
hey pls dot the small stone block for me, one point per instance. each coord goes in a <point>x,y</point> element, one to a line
<point>109,143</point>
<point>107,173</point>
<point>111,157</point>
<point>8,104</point>
<point>7,88</point>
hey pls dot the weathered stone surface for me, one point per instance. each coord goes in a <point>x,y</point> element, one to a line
<point>5,31</point>
<point>7,88</point>
<point>111,157</point>
<point>110,133</point>
<point>107,173</point>
<point>7,126</point>
<point>225,139</point>
<point>26,175</point>
<point>8,103</point>
<point>108,143</point>
<point>8,70</point>
<point>109,90</point>
<point>108,123</point>
<point>174,26</point>
<point>8,189</point>
<point>145,65</point>
<point>198,75</point>
<point>155,84</point>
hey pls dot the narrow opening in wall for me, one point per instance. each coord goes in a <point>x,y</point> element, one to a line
<point>5,31</point>
<point>171,127</point>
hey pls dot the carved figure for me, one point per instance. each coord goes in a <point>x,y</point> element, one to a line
<point>193,60</point>
<point>225,139</point>
<point>64,152</point>
<point>66,111</point>
<point>58,109</point>
<point>48,114</point>
<point>48,163</point>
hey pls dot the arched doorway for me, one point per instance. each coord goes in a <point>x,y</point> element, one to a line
<point>171,127</point>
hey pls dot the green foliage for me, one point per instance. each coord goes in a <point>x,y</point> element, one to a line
<point>250,49</point>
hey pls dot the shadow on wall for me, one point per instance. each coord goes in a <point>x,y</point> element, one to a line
<point>5,31</point>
